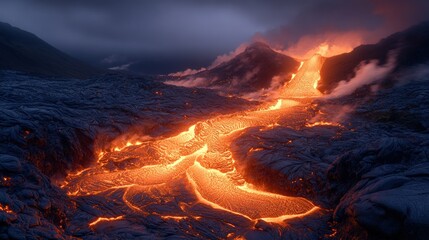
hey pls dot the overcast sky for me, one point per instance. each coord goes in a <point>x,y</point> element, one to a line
<point>167,35</point>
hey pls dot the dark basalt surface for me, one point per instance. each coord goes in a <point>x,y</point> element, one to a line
<point>369,176</point>
<point>373,172</point>
<point>50,126</point>
<point>249,71</point>
<point>409,48</point>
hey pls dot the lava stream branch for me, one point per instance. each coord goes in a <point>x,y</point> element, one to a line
<point>202,156</point>
<point>214,188</point>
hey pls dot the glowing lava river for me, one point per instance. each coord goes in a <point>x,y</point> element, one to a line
<point>195,167</point>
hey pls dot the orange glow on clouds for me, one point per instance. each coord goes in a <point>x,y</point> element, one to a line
<point>327,45</point>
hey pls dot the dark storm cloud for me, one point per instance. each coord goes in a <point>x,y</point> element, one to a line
<point>143,26</point>
<point>189,31</point>
<point>369,19</point>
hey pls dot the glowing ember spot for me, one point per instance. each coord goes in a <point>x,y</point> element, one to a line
<point>281,103</point>
<point>5,181</point>
<point>104,219</point>
<point>122,147</point>
<point>300,65</point>
<point>101,154</point>
<point>215,189</point>
<point>80,172</point>
<point>255,149</point>
<point>316,82</point>
<point>277,106</point>
<point>176,218</point>
<point>272,125</point>
<point>185,136</point>
<point>322,123</point>
<point>5,208</point>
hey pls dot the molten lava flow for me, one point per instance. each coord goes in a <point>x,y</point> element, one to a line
<point>316,81</point>
<point>277,106</point>
<point>214,188</point>
<point>304,83</point>
<point>147,175</point>
<point>327,44</point>
<point>202,154</point>
<point>201,158</point>
<point>104,219</point>
<point>323,123</point>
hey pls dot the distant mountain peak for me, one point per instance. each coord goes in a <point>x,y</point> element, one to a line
<point>258,46</point>
<point>252,70</point>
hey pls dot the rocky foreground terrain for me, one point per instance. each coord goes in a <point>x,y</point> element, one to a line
<point>368,175</point>
<point>50,126</point>
<point>360,157</point>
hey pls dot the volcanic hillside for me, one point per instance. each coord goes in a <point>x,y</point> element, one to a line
<point>409,48</point>
<point>249,71</point>
<point>24,51</point>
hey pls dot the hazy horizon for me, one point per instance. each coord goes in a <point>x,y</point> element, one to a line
<point>168,36</point>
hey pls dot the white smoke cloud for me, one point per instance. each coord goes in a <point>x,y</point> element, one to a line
<point>189,82</point>
<point>218,61</point>
<point>187,72</point>
<point>332,113</point>
<point>228,56</point>
<point>123,67</point>
<point>269,93</point>
<point>366,73</point>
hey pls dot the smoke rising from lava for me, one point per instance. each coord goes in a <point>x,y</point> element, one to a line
<point>189,82</point>
<point>186,72</point>
<point>343,25</point>
<point>218,61</point>
<point>366,73</point>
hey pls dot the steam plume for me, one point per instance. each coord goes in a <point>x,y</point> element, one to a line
<point>366,73</point>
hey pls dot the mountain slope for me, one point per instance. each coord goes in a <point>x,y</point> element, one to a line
<point>410,48</point>
<point>249,71</point>
<point>23,51</point>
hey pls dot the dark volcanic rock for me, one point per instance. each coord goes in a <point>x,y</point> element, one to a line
<point>58,121</point>
<point>409,47</point>
<point>23,51</point>
<point>390,201</point>
<point>373,171</point>
<point>50,126</point>
<point>288,161</point>
<point>385,179</point>
<point>250,71</point>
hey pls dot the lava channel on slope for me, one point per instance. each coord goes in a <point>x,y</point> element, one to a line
<point>201,158</point>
